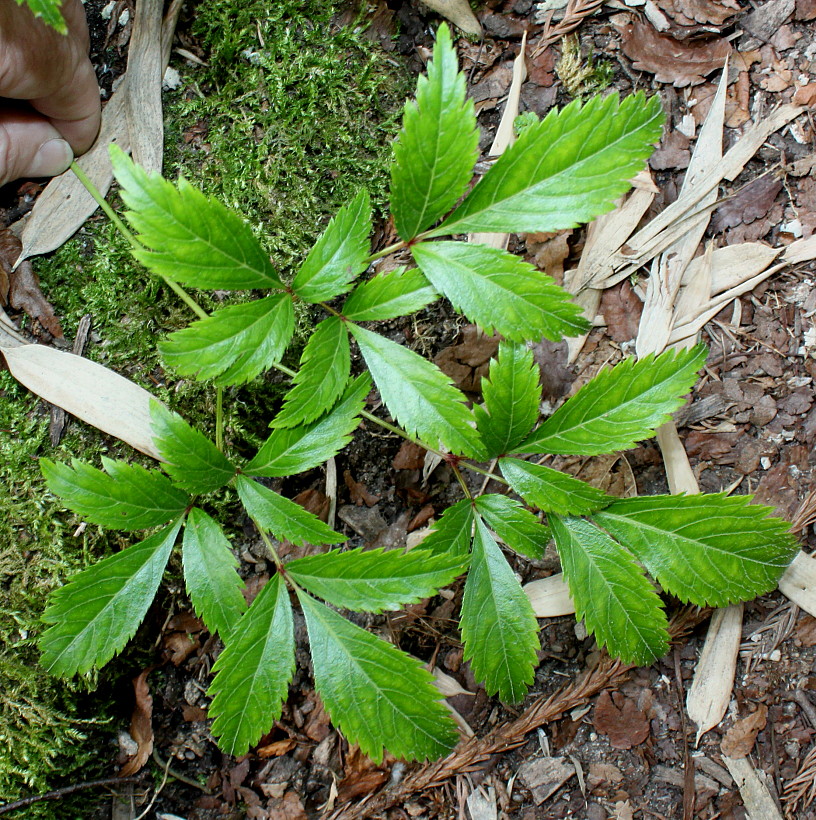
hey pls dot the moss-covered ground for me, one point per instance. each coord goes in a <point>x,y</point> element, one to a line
<point>288,119</point>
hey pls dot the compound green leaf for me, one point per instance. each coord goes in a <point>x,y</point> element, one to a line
<point>620,406</point>
<point>190,238</point>
<point>395,293</point>
<point>453,532</point>
<point>437,147</point>
<point>191,459</point>
<point>567,169</point>
<point>500,292</point>
<point>325,365</point>
<point>282,517</point>
<point>712,550</point>
<point>254,670</point>
<point>515,526</point>
<point>124,497</point>
<point>374,580</point>
<point>611,592</point>
<point>339,256</point>
<point>499,628</point>
<point>209,571</point>
<point>511,397</point>
<point>50,12</point>
<point>235,344</point>
<point>100,609</point>
<point>551,490</point>
<point>418,394</point>
<point>376,695</point>
<point>291,450</point>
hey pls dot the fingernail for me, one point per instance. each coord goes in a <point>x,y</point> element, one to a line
<point>54,157</point>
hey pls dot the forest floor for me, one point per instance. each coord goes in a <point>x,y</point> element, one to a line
<point>282,114</point>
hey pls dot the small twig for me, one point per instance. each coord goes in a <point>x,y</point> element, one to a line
<point>688,763</point>
<point>58,794</point>
<point>805,705</point>
<point>155,793</point>
<point>182,778</point>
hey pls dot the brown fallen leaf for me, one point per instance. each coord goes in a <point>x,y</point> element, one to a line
<point>141,725</point>
<point>673,152</point>
<point>21,288</point>
<point>740,738</point>
<point>806,631</point>
<point>410,456</point>
<point>288,807</point>
<point>362,776</point>
<point>621,309</point>
<point>359,492</point>
<point>710,12</point>
<point>805,95</point>
<point>672,61</point>
<point>276,749</point>
<point>749,203</point>
<point>620,720</point>
<point>467,361</point>
<point>193,714</point>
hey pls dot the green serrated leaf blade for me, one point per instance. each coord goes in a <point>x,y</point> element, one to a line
<point>254,670</point>
<point>376,695</point>
<point>515,526</point>
<point>620,406</point>
<point>282,517</point>
<point>191,459</point>
<point>551,490</point>
<point>567,169</point>
<point>712,550</point>
<point>191,238</point>
<point>49,11</point>
<point>611,593</point>
<point>452,533</point>
<point>437,147</point>
<point>125,497</point>
<point>99,610</point>
<point>387,295</point>
<point>511,395</point>
<point>375,580</point>
<point>325,365</point>
<point>291,450</point>
<point>339,256</point>
<point>499,628</point>
<point>235,344</point>
<point>418,394</point>
<point>209,572</point>
<point>500,292</point>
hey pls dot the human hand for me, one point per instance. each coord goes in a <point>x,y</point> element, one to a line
<point>49,97</point>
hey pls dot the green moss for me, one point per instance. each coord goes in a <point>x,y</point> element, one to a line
<point>296,117</point>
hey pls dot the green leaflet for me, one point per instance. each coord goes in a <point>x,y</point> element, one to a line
<point>453,532</point>
<point>711,550</point>
<point>128,498</point>
<point>291,450</point>
<point>611,593</point>
<point>191,459</point>
<point>550,490</point>
<point>418,394</point>
<point>49,10</point>
<point>395,293</point>
<point>99,610</point>
<point>339,256</point>
<point>325,365</point>
<point>567,169</point>
<point>254,670</point>
<point>235,344</point>
<point>620,406</point>
<point>192,239</point>
<point>515,526</point>
<point>499,628</point>
<point>376,695</point>
<point>374,580</point>
<point>437,147</point>
<point>511,397</point>
<point>499,291</point>
<point>282,517</point>
<point>209,571</point>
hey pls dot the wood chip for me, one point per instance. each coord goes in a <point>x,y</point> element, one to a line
<point>755,794</point>
<point>459,13</point>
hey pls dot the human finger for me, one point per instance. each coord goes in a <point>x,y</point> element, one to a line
<point>30,147</point>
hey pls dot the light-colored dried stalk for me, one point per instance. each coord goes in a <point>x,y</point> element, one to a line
<point>575,13</point>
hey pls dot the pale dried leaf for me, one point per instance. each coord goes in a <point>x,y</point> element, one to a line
<point>482,805</point>
<point>550,597</point>
<point>710,693</point>
<point>755,794</point>
<point>798,583</point>
<point>87,390</point>
<point>459,13</point>
<point>448,685</point>
<point>680,476</point>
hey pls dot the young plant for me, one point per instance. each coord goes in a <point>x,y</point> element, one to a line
<point>566,169</point>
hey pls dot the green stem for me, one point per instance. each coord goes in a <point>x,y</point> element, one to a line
<point>265,538</point>
<point>397,246</point>
<point>219,418</point>
<point>458,473</point>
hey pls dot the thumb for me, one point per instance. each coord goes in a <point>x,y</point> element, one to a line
<point>30,147</point>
